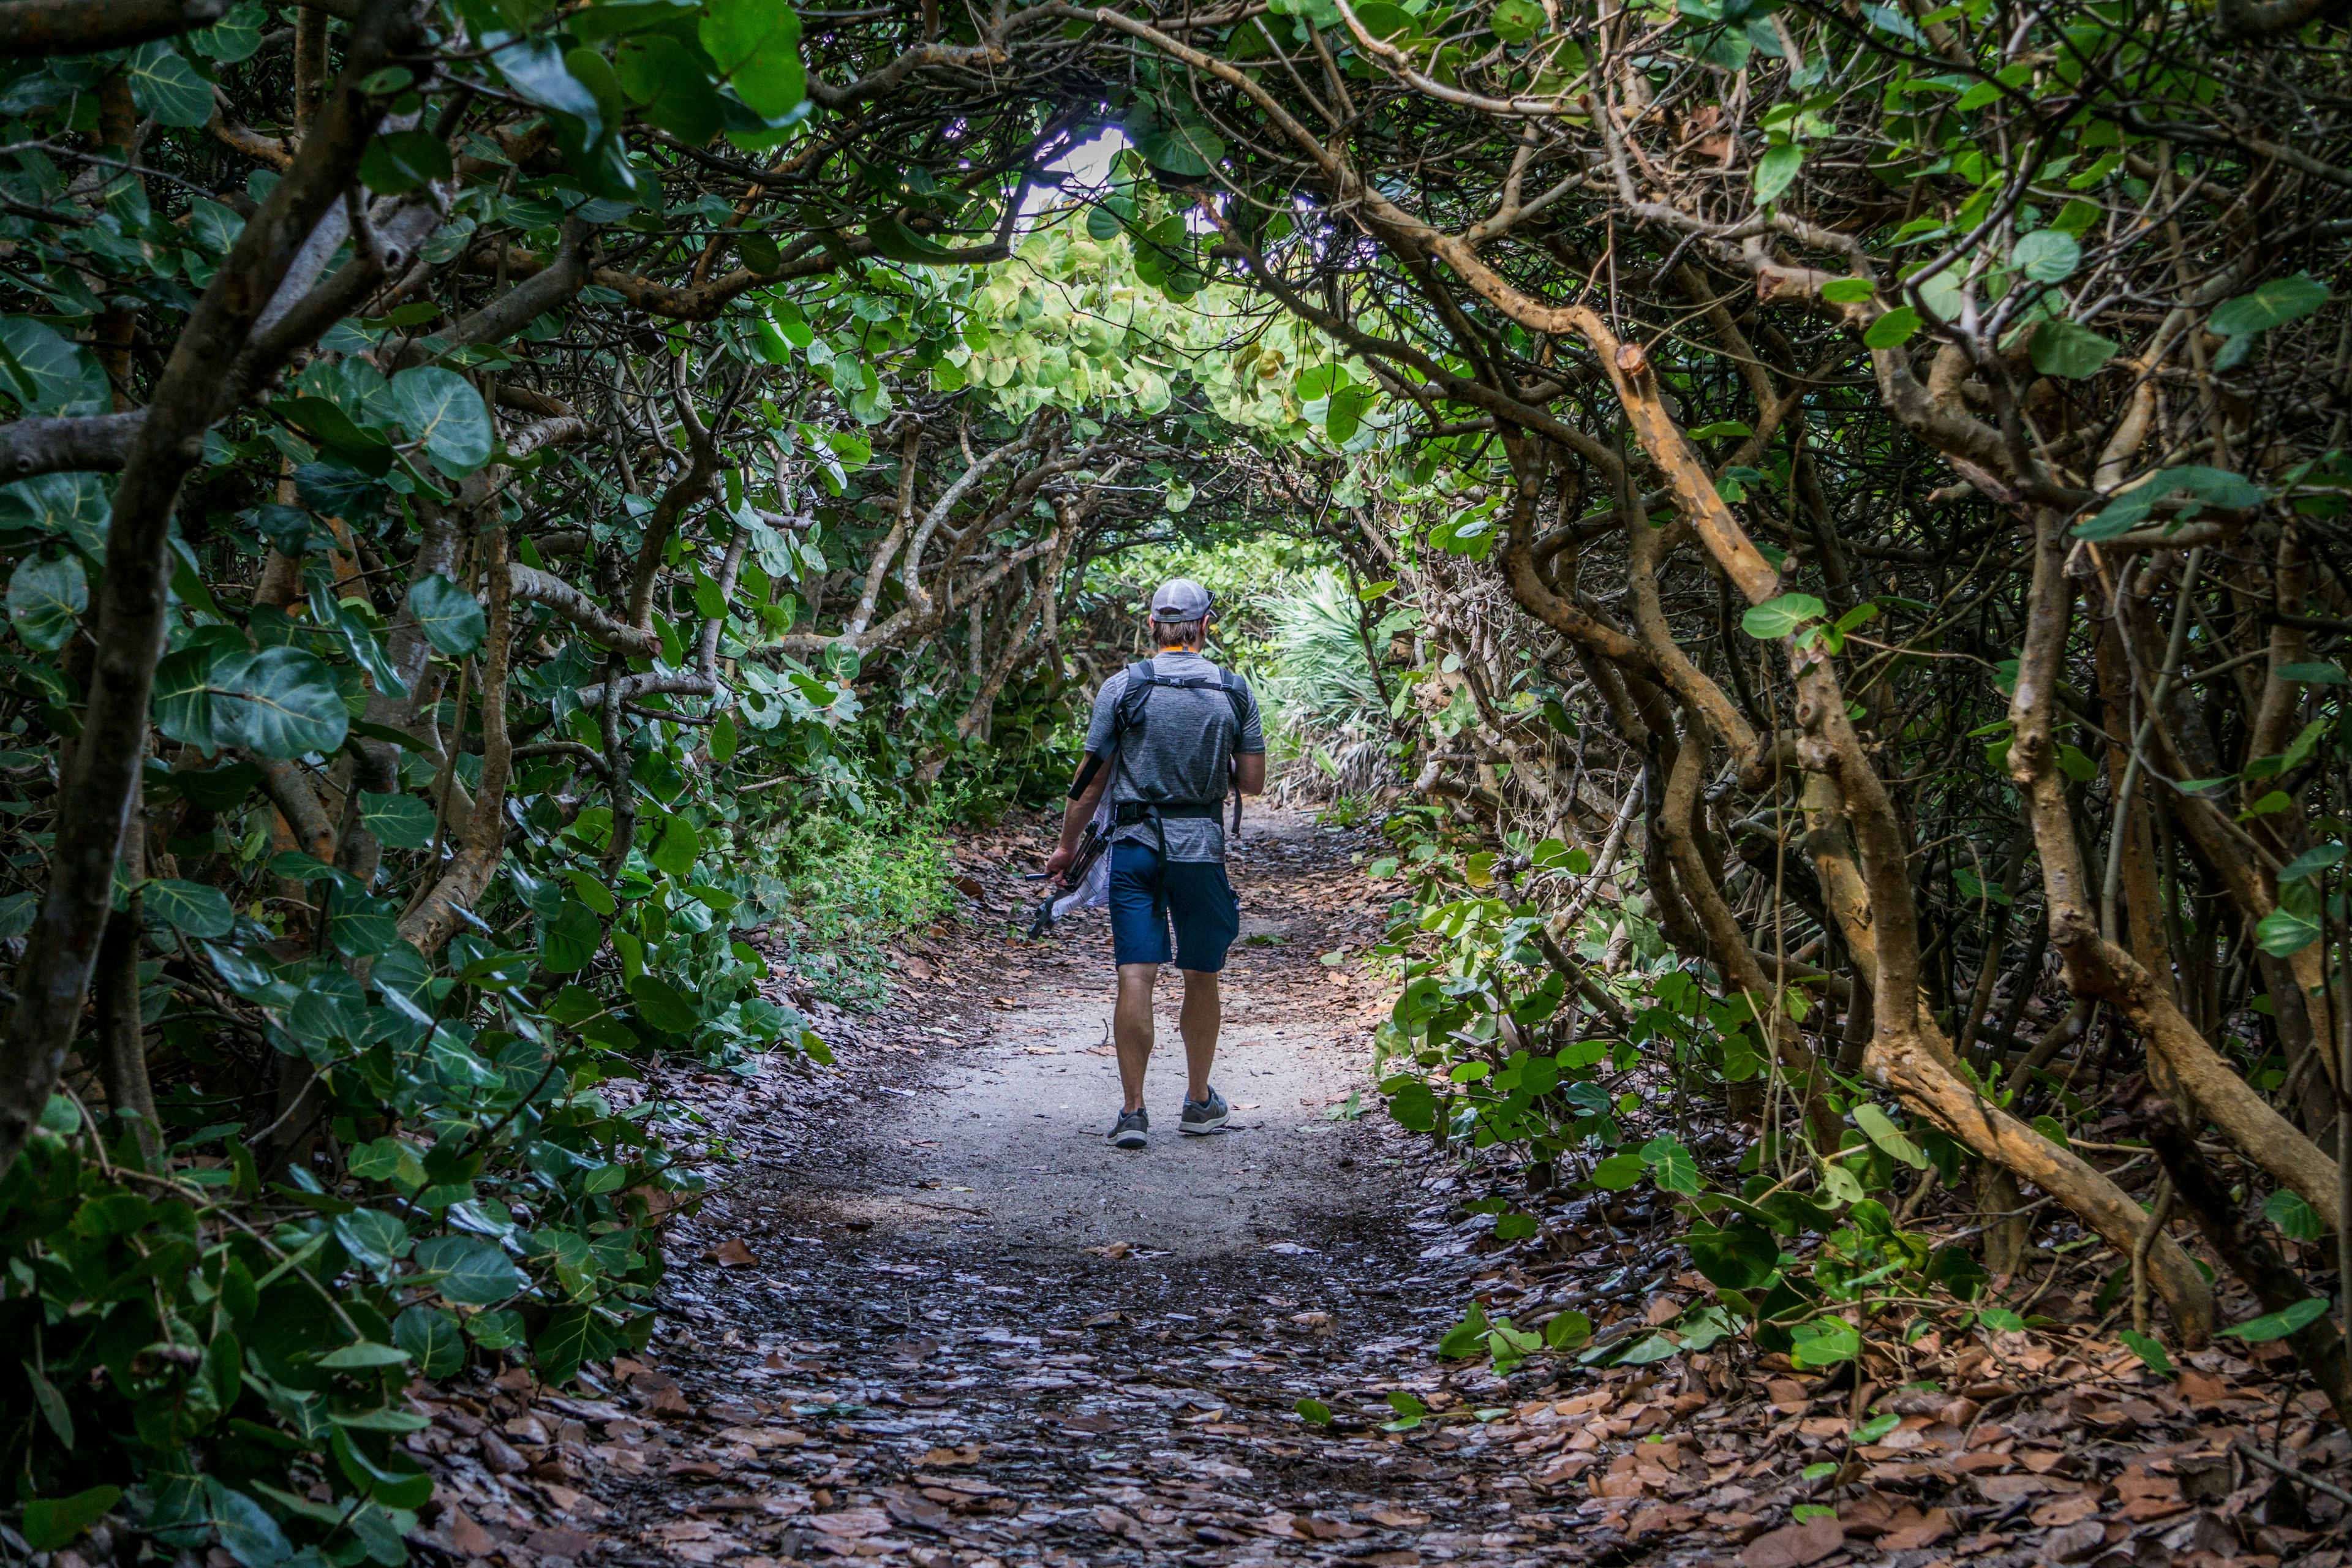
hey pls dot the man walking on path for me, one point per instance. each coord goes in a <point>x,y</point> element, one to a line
<point>1170,737</point>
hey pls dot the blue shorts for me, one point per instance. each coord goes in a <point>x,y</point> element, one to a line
<point>1199,899</point>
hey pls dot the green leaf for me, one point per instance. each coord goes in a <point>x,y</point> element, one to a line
<point>1411,1411</point>
<point>433,1339</point>
<point>1568,1330</point>
<point>724,738</point>
<point>54,1409</point>
<point>163,84</point>
<point>2002,1318</point>
<point>2314,675</point>
<point>2324,857</point>
<point>364,1356</point>
<point>398,821</point>
<point>403,161</point>
<point>2047,256</point>
<point>562,1345</point>
<point>1847,291</point>
<point>71,507</point>
<point>1825,1342</point>
<point>280,702</point>
<point>676,850</point>
<point>1670,1164</point>
<point>1892,330</point>
<point>1618,1172</point>
<point>450,617</point>
<point>1777,169</point>
<point>1516,21</point>
<point>756,44</point>
<point>52,1523</point>
<point>1741,1256</point>
<point>2273,304</point>
<point>49,374</point>
<point>660,1006</point>
<point>1345,414</point>
<point>897,242</point>
<point>190,908</point>
<point>1466,1338</point>
<point>46,601</point>
<point>1777,618</point>
<point>569,941</point>
<point>656,71</point>
<point>2073,353</point>
<point>2204,485</point>
<point>2282,932</point>
<point>474,1271</point>
<point>2278,1325</point>
<point>1721,430</point>
<point>1878,1426</point>
<point>1186,149</point>
<point>2294,1217</point>
<point>1881,1129</point>
<point>247,1530</point>
<point>2151,1354</point>
<point>1314,1411</point>
<point>441,409</point>
<point>1414,1106</point>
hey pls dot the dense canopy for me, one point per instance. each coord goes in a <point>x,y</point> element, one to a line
<point>1832,529</point>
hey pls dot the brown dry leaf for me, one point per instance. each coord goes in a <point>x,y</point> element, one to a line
<point>1911,1529</point>
<point>1788,1395</point>
<point>731,1253</point>
<point>1124,1525</point>
<point>2084,1539</point>
<point>1324,1527</point>
<point>851,1523</point>
<point>1795,1545</point>
<point>763,1437</point>
<point>942,1459</point>
<point>470,1538</point>
<point>2066,1510</point>
<point>1397,1518</point>
<point>1113,1249</point>
<point>2201,1391</point>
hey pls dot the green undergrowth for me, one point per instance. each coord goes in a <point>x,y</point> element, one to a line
<point>847,888</point>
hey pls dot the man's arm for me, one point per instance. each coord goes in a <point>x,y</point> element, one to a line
<point>1249,773</point>
<point>1081,809</point>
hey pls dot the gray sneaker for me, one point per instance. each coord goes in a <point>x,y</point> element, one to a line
<point>1204,1116</point>
<point>1131,1128</point>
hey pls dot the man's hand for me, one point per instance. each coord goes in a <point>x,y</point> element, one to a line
<point>1059,861</point>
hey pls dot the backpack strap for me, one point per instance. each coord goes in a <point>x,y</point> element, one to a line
<point>1129,714</point>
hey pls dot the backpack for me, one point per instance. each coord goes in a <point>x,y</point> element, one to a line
<point>1133,702</point>
<point>1142,678</point>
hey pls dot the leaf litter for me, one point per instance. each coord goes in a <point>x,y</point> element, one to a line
<point>825,1387</point>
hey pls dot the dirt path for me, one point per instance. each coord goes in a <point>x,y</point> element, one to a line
<point>967,1330</point>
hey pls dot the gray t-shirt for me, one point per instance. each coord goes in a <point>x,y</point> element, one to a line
<point>1182,750</point>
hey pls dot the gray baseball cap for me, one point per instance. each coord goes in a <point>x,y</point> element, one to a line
<point>1180,599</point>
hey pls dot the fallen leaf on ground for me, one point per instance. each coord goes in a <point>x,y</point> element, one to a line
<point>1113,1249</point>
<point>1795,1545</point>
<point>731,1253</point>
<point>1911,1529</point>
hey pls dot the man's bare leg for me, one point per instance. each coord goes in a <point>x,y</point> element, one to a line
<point>1130,1028</point>
<point>1203,1013</point>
